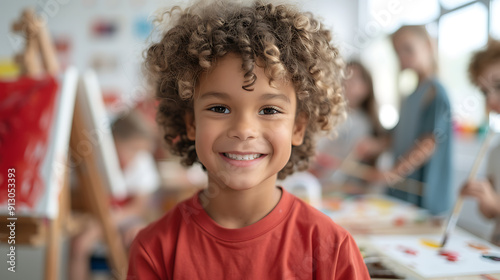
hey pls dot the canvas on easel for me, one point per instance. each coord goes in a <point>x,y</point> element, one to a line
<point>93,155</point>
<point>37,119</point>
<point>96,138</point>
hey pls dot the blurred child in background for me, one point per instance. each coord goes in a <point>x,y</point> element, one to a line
<point>362,122</point>
<point>484,71</point>
<point>134,144</point>
<point>422,139</point>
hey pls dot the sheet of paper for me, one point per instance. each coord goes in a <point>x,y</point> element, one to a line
<point>415,253</point>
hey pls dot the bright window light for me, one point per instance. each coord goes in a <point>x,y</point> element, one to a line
<point>495,20</point>
<point>388,116</point>
<point>463,30</point>
<point>450,4</point>
<point>392,14</point>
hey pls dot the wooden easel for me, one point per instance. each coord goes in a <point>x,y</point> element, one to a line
<point>97,199</point>
<point>39,58</point>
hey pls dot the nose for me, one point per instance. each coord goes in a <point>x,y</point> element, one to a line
<point>243,127</point>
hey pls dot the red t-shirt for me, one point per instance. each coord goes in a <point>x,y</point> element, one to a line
<point>294,241</point>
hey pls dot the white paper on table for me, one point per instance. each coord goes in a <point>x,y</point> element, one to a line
<point>427,262</point>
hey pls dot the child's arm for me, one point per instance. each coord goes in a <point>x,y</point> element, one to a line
<point>488,199</point>
<point>418,155</point>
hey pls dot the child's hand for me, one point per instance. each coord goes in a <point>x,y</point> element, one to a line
<point>486,196</point>
<point>367,148</point>
<point>374,175</point>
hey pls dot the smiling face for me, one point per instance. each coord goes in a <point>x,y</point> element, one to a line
<point>243,138</point>
<point>489,83</point>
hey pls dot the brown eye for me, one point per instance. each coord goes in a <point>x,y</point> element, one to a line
<point>269,111</point>
<point>219,109</point>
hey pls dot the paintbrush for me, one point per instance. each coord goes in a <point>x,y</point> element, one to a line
<point>494,126</point>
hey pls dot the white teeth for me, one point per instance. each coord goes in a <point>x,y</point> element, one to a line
<point>242,157</point>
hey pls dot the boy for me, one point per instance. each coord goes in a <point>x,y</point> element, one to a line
<point>484,71</point>
<point>243,90</point>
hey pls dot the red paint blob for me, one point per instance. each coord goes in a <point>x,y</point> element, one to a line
<point>450,255</point>
<point>399,221</point>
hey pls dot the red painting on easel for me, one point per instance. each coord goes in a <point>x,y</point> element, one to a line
<point>35,126</point>
<point>27,108</point>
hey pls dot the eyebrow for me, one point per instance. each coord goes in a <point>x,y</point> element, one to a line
<point>215,94</point>
<point>268,96</point>
<point>225,96</point>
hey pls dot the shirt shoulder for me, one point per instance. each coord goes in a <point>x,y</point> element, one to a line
<point>308,216</point>
<point>168,225</point>
<point>335,253</point>
<point>439,93</point>
<point>152,252</point>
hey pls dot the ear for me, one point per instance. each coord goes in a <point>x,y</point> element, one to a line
<point>190,125</point>
<point>299,129</point>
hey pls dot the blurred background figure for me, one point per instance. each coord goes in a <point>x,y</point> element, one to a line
<point>484,71</point>
<point>134,143</point>
<point>422,139</point>
<point>362,123</point>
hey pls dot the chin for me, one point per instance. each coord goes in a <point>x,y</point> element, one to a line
<point>241,185</point>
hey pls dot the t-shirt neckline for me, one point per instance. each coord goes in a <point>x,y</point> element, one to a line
<point>264,225</point>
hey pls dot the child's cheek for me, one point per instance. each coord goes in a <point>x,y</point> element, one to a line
<point>280,136</point>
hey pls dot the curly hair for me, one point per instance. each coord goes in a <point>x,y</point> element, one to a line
<point>482,59</point>
<point>290,44</point>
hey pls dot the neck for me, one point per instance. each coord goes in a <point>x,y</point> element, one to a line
<point>232,208</point>
<point>425,74</point>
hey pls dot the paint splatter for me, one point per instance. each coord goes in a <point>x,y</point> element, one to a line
<point>430,243</point>
<point>407,250</point>
<point>449,255</point>
<point>491,257</point>
<point>478,246</point>
<point>488,277</point>
<point>400,221</point>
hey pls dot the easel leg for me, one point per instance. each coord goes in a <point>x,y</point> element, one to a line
<point>53,244</point>
<point>94,190</point>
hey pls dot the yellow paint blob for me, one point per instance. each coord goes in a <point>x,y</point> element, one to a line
<point>430,243</point>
